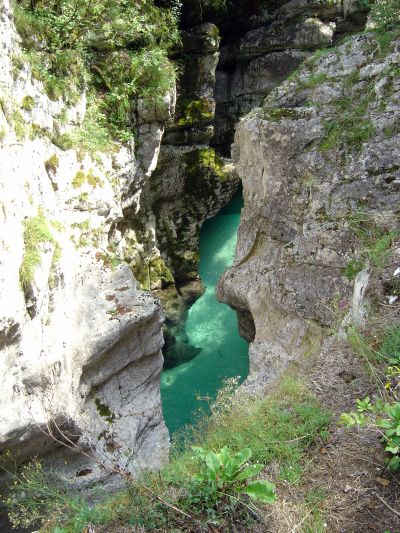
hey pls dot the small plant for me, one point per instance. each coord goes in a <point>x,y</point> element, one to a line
<point>388,426</point>
<point>34,495</point>
<point>353,267</point>
<point>385,14</point>
<point>52,164</point>
<point>315,80</point>
<point>226,474</point>
<point>79,179</point>
<point>36,232</point>
<point>390,347</point>
<point>28,103</point>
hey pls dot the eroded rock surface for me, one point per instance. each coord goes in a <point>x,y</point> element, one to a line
<point>320,166</point>
<point>80,343</point>
<point>275,43</point>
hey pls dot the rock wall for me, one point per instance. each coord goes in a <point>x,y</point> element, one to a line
<point>80,343</point>
<point>320,166</point>
<point>191,183</point>
<point>273,44</point>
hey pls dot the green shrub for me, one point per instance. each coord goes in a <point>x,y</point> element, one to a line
<point>390,347</point>
<point>278,428</point>
<point>353,267</point>
<point>389,425</point>
<point>119,48</point>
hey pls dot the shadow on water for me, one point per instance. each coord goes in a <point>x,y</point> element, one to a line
<point>210,331</point>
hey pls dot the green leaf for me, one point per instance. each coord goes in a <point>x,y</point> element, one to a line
<point>394,463</point>
<point>261,490</point>
<point>250,471</point>
<point>384,423</point>
<point>392,449</point>
<point>213,462</point>
<point>241,457</point>
<point>224,455</point>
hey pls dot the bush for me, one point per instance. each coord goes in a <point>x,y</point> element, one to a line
<point>388,426</point>
<point>224,475</point>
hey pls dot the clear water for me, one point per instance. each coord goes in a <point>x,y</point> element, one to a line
<point>211,327</point>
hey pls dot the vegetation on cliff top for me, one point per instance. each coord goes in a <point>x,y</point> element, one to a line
<point>119,49</point>
<point>215,484</point>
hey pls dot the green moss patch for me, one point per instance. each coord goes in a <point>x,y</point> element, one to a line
<point>104,411</point>
<point>283,113</point>
<point>81,178</point>
<point>202,160</point>
<point>28,103</point>
<point>193,111</point>
<point>52,164</point>
<point>36,232</point>
<point>151,271</point>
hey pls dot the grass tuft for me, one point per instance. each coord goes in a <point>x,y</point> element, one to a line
<point>36,232</point>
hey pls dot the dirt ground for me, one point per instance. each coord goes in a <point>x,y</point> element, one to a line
<point>361,494</point>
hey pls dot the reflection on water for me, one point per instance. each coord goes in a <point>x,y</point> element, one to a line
<point>211,327</point>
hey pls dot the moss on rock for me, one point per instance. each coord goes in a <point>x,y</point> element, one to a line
<point>193,111</point>
<point>202,160</point>
<point>282,113</point>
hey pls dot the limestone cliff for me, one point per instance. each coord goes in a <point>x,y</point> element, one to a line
<point>80,343</point>
<point>260,51</point>
<point>319,162</point>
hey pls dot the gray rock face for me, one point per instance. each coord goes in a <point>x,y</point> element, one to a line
<point>80,343</point>
<point>258,61</point>
<point>320,165</point>
<point>191,183</point>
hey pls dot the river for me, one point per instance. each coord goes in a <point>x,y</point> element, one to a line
<point>211,328</point>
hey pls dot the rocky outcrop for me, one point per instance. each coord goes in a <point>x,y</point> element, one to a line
<point>190,184</point>
<point>276,42</point>
<point>320,166</point>
<point>80,343</point>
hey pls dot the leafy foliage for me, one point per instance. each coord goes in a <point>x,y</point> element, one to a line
<point>34,494</point>
<point>226,474</point>
<point>385,14</point>
<point>213,484</point>
<point>390,347</point>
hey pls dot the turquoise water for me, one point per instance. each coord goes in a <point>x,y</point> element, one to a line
<point>211,328</point>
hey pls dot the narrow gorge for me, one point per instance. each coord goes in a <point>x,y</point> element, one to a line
<point>199,266</point>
